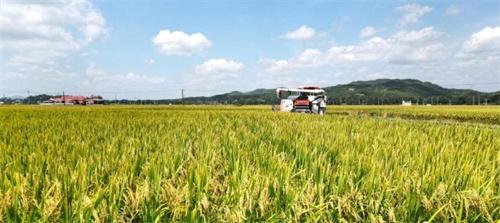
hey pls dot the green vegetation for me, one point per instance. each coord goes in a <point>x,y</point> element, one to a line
<point>375,92</point>
<point>232,164</point>
<point>392,91</point>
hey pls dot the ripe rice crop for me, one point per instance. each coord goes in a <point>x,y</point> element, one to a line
<point>469,114</point>
<point>233,164</point>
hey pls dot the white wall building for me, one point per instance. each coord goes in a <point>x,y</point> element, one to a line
<point>406,103</point>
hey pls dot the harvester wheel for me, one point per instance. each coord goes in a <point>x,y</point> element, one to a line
<point>321,111</point>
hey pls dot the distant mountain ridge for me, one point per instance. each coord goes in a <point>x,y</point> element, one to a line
<point>380,91</point>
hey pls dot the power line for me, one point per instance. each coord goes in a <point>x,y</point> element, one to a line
<point>189,89</point>
<point>182,95</point>
<point>173,90</point>
<point>120,92</point>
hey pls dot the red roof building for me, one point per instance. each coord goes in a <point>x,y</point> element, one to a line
<point>77,100</point>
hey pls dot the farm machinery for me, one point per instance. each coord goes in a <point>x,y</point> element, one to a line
<point>303,99</point>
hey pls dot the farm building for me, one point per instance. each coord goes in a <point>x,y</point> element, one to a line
<point>75,100</point>
<point>406,103</point>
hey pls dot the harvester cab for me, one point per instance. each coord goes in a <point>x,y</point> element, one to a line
<point>304,99</point>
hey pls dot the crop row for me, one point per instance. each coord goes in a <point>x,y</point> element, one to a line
<point>166,163</point>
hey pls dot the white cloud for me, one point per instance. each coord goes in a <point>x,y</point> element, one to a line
<point>130,85</point>
<point>404,47</point>
<point>367,31</point>
<point>37,37</point>
<point>108,78</point>
<point>93,71</point>
<point>301,33</point>
<point>452,10</point>
<point>94,26</point>
<point>481,49</point>
<point>218,66</point>
<point>425,54</point>
<point>180,43</point>
<point>135,78</point>
<point>417,36</point>
<point>216,73</point>
<point>311,57</point>
<point>375,48</point>
<point>412,13</point>
<point>307,58</point>
<point>273,66</point>
<point>101,79</point>
<point>39,33</point>
<point>487,39</point>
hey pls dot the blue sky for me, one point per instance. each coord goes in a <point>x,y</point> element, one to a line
<point>152,49</point>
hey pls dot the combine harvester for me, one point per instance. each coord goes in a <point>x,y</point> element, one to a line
<point>303,99</point>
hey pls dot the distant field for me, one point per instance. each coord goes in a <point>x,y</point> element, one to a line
<point>233,164</point>
<point>470,114</point>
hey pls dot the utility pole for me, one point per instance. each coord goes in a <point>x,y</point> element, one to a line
<point>182,95</point>
<point>29,99</point>
<point>473,102</point>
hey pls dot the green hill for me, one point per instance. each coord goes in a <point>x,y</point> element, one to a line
<point>380,91</point>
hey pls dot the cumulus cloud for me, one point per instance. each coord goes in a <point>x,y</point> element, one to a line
<point>123,85</point>
<point>425,54</point>
<point>93,71</point>
<point>218,66</point>
<point>38,33</point>
<point>96,74</point>
<point>308,58</point>
<point>135,78</point>
<point>487,39</point>
<point>481,48</point>
<point>37,37</point>
<point>412,13</point>
<point>367,31</point>
<point>216,73</point>
<point>273,66</point>
<point>403,47</point>
<point>452,10</point>
<point>311,57</point>
<point>100,79</point>
<point>301,33</point>
<point>180,43</point>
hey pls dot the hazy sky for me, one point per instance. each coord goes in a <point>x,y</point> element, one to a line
<point>152,48</point>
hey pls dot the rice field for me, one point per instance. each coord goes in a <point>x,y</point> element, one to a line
<point>247,164</point>
<point>467,114</point>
